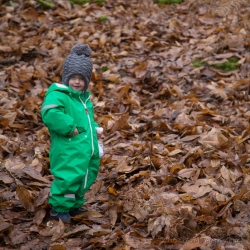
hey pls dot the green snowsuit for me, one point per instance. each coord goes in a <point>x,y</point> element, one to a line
<point>74,160</point>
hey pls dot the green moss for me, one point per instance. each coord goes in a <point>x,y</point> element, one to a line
<point>81,2</point>
<point>230,65</point>
<point>103,19</point>
<point>168,1</point>
<point>105,68</point>
<point>197,63</point>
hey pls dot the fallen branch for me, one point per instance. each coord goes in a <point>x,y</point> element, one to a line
<point>7,61</point>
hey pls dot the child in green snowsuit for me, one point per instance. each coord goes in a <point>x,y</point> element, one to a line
<point>69,116</point>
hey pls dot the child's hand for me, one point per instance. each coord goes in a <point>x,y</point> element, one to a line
<point>99,132</point>
<point>75,132</point>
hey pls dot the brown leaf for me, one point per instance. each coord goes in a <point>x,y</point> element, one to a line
<point>10,117</point>
<point>58,247</point>
<point>54,229</point>
<point>214,138</point>
<point>203,242</point>
<point>141,69</point>
<point>4,226</point>
<point>122,123</point>
<point>112,191</point>
<point>36,175</point>
<point>42,197</point>
<point>156,225</point>
<point>39,216</point>
<point>176,168</point>
<point>6,48</point>
<point>123,167</point>
<point>19,238</point>
<point>58,231</point>
<point>113,215</point>
<point>25,198</point>
<point>136,241</point>
<point>6,178</point>
<point>76,230</point>
<point>187,173</point>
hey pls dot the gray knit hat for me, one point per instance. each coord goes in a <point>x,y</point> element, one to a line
<point>78,63</point>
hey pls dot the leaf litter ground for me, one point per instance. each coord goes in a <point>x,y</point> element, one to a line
<point>175,170</point>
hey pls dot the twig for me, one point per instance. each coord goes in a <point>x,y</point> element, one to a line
<point>7,61</point>
<point>202,231</point>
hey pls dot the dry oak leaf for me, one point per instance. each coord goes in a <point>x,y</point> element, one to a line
<point>214,138</point>
<point>42,197</point>
<point>176,168</point>
<point>170,198</point>
<point>196,190</point>
<point>25,198</point>
<point>98,231</point>
<point>141,69</point>
<point>54,229</point>
<point>218,92</point>
<point>123,167</point>
<point>39,216</point>
<point>187,173</point>
<point>136,241</point>
<point>35,175</point>
<point>112,191</point>
<point>204,243</point>
<point>156,225</point>
<point>113,215</point>
<point>6,178</point>
<point>4,226</point>
<point>17,237</point>
<point>187,197</point>
<point>58,247</point>
<point>122,123</point>
<point>6,48</point>
<point>81,228</point>
<point>139,212</point>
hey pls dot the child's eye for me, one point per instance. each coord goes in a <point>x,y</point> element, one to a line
<point>77,77</point>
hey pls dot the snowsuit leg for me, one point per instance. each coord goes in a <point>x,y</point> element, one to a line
<point>69,180</point>
<point>63,196</point>
<point>71,183</point>
<point>93,169</point>
<point>90,177</point>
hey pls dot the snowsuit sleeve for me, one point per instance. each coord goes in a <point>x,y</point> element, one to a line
<point>53,114</point>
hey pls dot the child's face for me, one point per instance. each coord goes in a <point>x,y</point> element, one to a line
<point>76,82</point>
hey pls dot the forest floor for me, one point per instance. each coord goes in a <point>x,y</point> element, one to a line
<point>170,87</point>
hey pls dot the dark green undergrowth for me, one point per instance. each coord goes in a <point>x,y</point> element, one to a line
<point>168,1</point>
<point>50,3</point>
<point>80,2</point>
<point>229,65</point>
<point>103,19</point>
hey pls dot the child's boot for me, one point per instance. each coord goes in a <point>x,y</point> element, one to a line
<point>65,217</point>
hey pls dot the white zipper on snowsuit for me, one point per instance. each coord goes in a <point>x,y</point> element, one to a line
<point>91,132</point>
<point>86,178</point>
